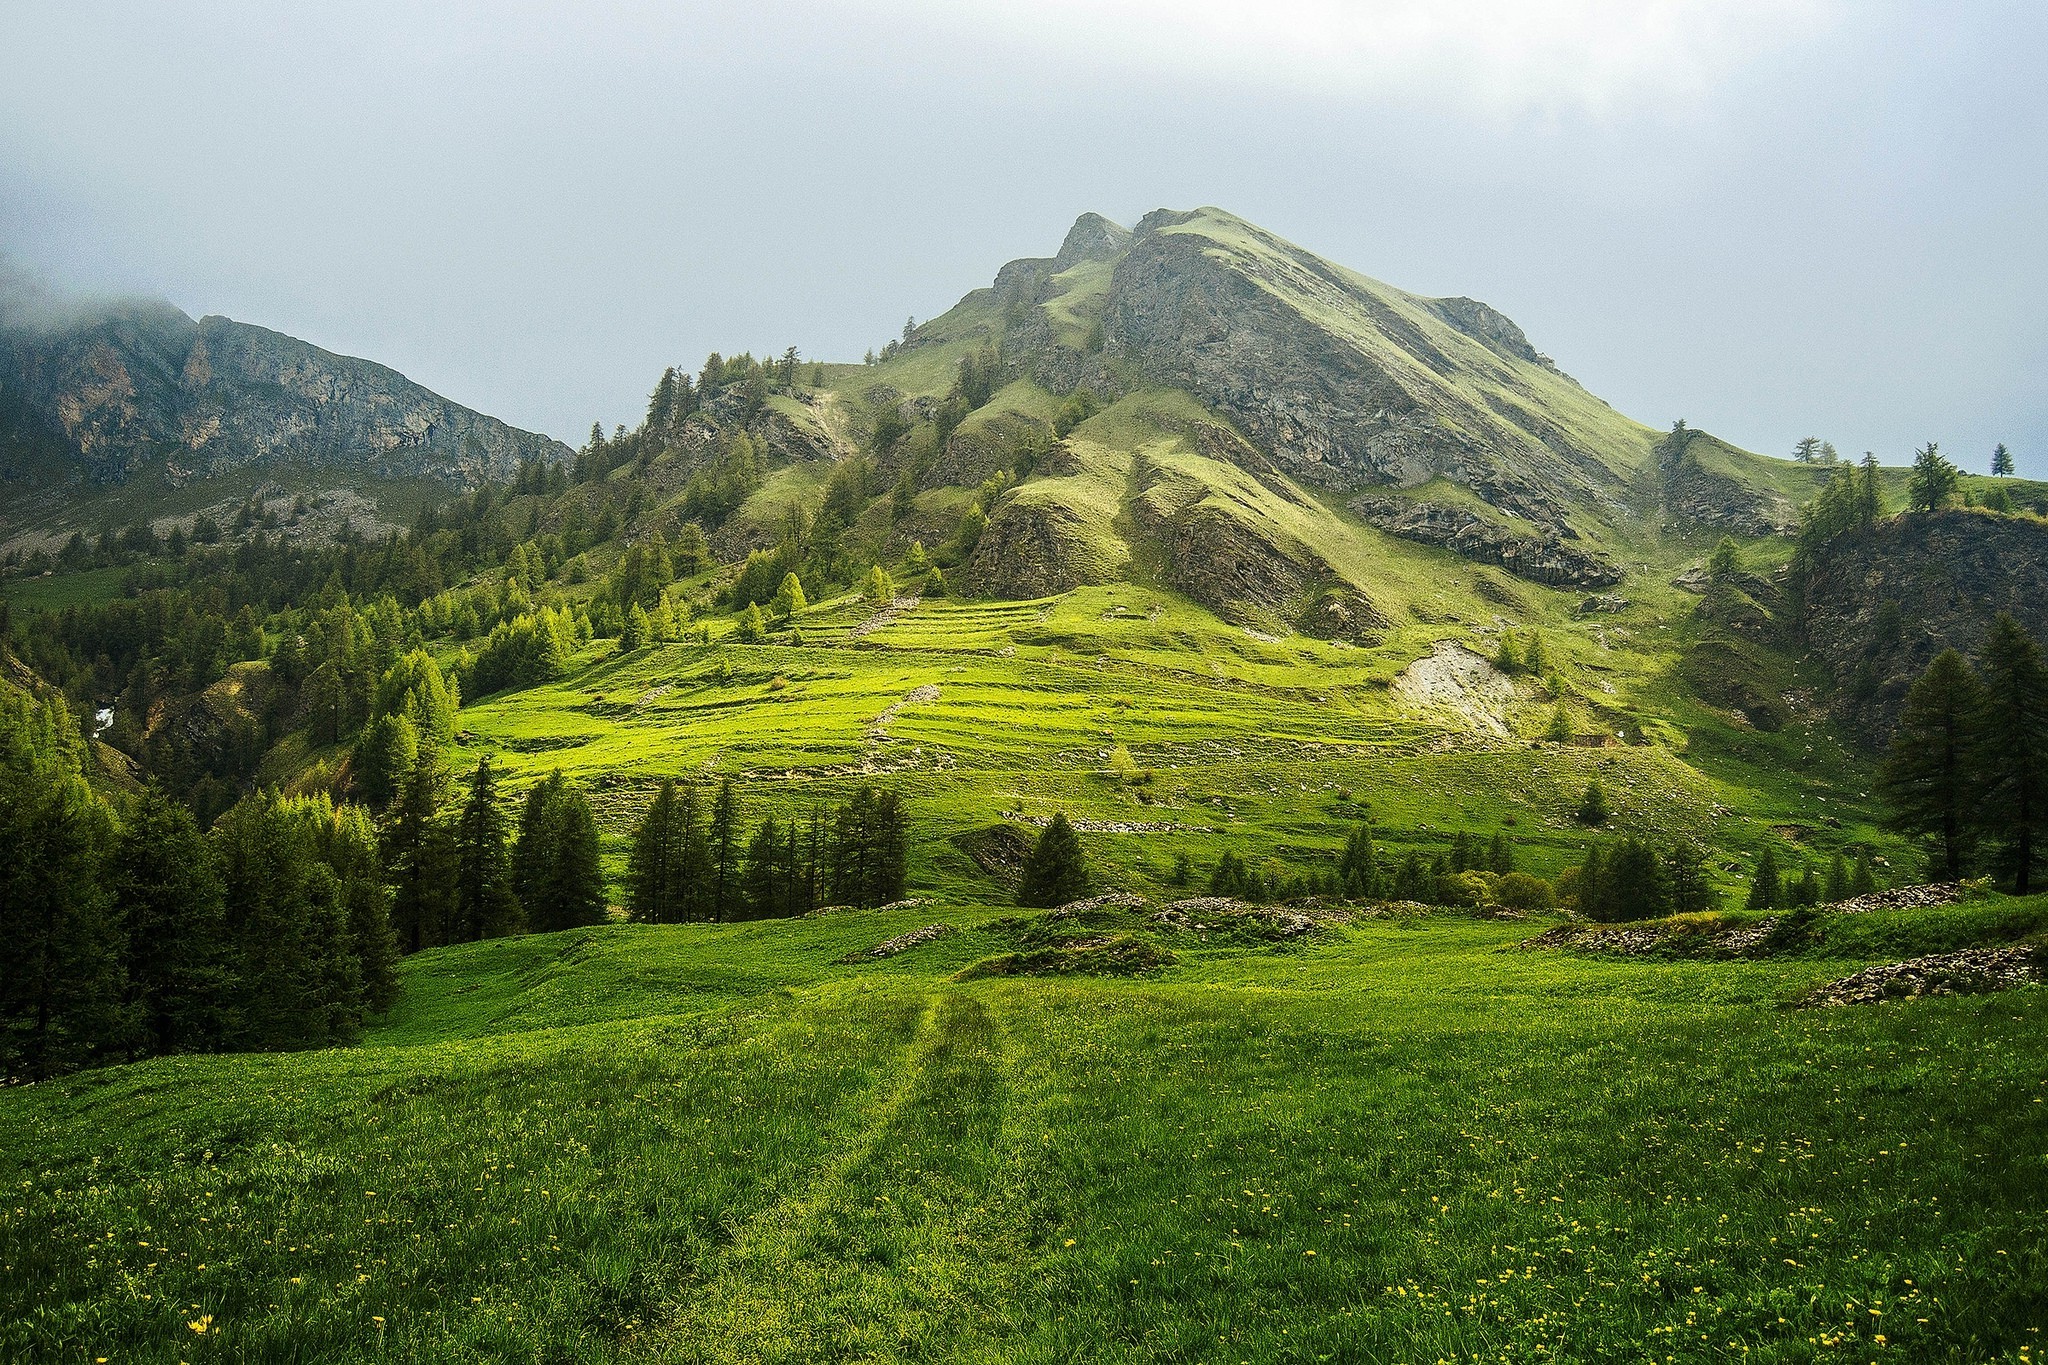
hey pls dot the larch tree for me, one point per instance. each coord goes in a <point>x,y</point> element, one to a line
<point>2011,751</point>
<point>1927,775</point>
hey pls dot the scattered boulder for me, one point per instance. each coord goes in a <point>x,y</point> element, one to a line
<point>1120,955</point>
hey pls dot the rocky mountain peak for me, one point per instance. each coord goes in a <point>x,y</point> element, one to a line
<point>1091,238</point>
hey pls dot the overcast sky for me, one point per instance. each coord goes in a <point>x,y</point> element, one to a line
<point>1770,218</point>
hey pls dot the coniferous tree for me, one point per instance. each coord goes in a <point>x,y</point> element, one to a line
<point>888,849</point>
<point>1593,805</point>
<point>1500,855</point>
<point>162,874</point>
<point>484,905</point>
<point>1056,869</point>
<point>1229,877</point>
<point>789,597</point>
<point>62,969</point>
<point>1863,881</point>
<point>696,871</point>
<point>724,839</point>
<point>1685,878</point>
<point>555,868</point>
<point>2001,461</point>
<point>1927,776</point>
<point>656,867</point>
<point>761,889</point>
<point>878,590</point>
<point>1934,479</point>
<point>1359,868</point>
<point>386,752</point>
<point>636,630</point>
<point>1837,888</point>
<point>1767,888</point>
<point>416,853</point>
<point>2010,767</point>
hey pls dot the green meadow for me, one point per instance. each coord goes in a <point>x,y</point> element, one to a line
<point>1389,1141</point>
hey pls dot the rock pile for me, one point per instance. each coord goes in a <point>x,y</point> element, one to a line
<point>901,943</point>
<point>1902,898</point>
<point>1973,971</point>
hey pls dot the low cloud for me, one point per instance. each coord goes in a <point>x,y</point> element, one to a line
<point>1499,56</point>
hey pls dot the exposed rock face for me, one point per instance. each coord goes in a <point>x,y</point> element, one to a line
<point>1030,549</point>
<point>1541,558</point>
<point>1877,613</point>
<point>1693,493</point>
<point>1091,238</point>
<point>1452,680</point>
<point>141,385</point>
<point>1344,381</point>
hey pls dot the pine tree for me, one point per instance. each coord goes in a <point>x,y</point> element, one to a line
<point>1767,888</point>
<point>1632,884</point>
<point>1934,479</point>
<point>1559,731</point>
<point>1837,888</point>
<point>654,870</point>
<point>724,837</point>
<point>636,629</point>
<point>661,622</point>
<point>1359,868</point>
<point>749,628</point>
<point>1863,881</point>
<point>1685,878</point>
<point>484,904</point>
<point>1927,776</point>
<point>387,750</point>
<point>1723,564</point>
<point>555,868</point>
<point>1593,805</point>
<point>888,849</point>
<point>1500,855</point>
<point>761,890</point>
<point>1807,450</point>
<point>2010,766</point>
<point>1056,869</point>
<point>161,873</point>
<point>417,857</point>
<point>2001,461</point>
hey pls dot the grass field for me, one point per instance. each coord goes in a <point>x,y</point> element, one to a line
<point>1393,1142</point>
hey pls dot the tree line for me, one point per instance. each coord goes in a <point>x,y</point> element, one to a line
<point>1967,769</point>
<point>689,864</point>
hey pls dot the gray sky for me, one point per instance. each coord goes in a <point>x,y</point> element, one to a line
<point>1770,217</point>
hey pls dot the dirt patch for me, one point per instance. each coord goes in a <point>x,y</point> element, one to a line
<point>1453,680</point>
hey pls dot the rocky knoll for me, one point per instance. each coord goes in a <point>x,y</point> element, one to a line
<point>134,387</point>
<point>1347,381</point>
<point>1540,558</point>
<point>1877,609</point>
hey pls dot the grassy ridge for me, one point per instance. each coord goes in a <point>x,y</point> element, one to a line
<point>1394,1143</point>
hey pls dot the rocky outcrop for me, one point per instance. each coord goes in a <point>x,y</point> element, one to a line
<point>1698,496</point>
<point>1972,971</point>
<point>1032,548</point>
<point>1540,557</point>
<point>141,386</point>
<point>1877,610</point>
<point>1091,238</point>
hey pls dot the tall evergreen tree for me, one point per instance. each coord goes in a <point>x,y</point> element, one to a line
<point>162,874</point>
<point>724,838</point>
<point>1934,479</point>
<point>485,906</point>
<point>1056,869</point>
<point>761,878</point>
<point>655,868</point>
<point>416,852</point>
<point>555,869</point>
<point>1767,887</point>
<point>2001,461</point>
<point>2011,752</point>
<point>1685,878</point>
<point>1927,776</point>
<point>1359,868</point>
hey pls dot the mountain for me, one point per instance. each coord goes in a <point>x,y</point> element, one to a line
<point>138,392</point>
